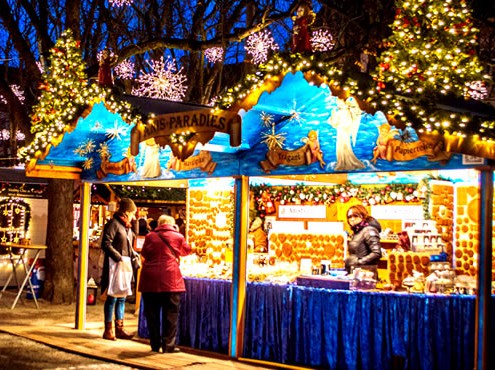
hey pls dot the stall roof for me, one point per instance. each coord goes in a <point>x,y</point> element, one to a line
<point>294,127</point>
<point>160,106</point>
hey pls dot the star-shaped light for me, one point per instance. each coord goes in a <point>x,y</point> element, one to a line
<point>477,90</point>
<point>120,3</point>
<point>214,54</point>
<point>259,44</point>
<point>16,89</point>
<point>117,131</point>
<point>164,82</point>
<point>322,40</point>
<point>125,70</point>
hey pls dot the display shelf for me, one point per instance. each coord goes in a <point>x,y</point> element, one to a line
<point>424,236</point>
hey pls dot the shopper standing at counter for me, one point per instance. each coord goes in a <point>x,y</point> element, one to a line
<point>364,247</point>
<point>117,241</point>
<point>162,284</point>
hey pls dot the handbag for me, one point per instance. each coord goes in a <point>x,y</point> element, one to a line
<point>135,260</point>
<point>120,277</point>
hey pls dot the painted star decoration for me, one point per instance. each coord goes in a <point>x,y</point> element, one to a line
<point>117,131</point>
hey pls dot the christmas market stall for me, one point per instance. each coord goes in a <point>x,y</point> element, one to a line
<point>294,147</point>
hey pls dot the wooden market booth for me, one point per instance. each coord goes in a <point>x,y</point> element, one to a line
<point>294,128</point>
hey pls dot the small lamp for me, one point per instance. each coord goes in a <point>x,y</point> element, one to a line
<point>92,292</point>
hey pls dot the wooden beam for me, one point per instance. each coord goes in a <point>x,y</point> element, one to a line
<point>55,172</point>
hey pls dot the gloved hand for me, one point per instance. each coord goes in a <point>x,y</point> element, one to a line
<point>350,263</point>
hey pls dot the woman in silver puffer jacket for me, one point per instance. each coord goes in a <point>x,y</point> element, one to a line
<point>364,247</point>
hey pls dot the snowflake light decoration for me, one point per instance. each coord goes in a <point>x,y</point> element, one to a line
<point>214,54</point>
<point>120,3</point>
<point>17,91</point>
<point>322,40</point>
<point>259,44</point>
<point>477,90</point>
<point>125,70</point>
<point>5,135</point>
<point>117,131</point>
<point>40,66</point>
<point>213,101</point>
<point>163,83</point>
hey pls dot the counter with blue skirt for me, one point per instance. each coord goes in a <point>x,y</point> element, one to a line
<point>332,329</point>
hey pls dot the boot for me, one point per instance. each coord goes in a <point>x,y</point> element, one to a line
<point>108,333</point>
<point>120,332</point>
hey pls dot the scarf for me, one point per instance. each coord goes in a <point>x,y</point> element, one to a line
<point>360,226</point>
<point>125,220</point>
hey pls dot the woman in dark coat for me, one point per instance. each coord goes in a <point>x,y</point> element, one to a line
<point>117,241</point>
<point>364,247</point>
<point>161,282</point>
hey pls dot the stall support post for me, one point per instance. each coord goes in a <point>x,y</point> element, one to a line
<point>82,265</point>
<point>241,222</point>
<point>483,337</point>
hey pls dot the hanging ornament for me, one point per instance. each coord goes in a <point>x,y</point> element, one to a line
<point>258,46</point>
<point>214,54</point>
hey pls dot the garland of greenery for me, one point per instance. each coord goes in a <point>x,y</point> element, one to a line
<point>347,81</point>
<point>265,195</point>
<point>150,193</point>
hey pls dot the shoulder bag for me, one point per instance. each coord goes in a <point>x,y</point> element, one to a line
<point>169,247</point>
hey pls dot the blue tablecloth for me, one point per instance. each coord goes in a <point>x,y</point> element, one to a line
<point>332,329</point>
<point>204,320</point>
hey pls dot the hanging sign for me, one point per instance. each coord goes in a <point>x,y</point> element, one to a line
<point>183,130</point>
<point>302,211</point>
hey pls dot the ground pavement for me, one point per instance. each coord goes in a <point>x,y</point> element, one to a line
<point>54,325</point>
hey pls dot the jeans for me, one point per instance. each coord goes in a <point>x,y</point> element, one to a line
<point>117,304</point>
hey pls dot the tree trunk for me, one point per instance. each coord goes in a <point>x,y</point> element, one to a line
<point>59,269</point>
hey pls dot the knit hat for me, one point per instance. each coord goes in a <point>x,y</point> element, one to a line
<point>127,205</point>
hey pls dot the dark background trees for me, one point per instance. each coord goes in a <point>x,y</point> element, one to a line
<point>181,30</point>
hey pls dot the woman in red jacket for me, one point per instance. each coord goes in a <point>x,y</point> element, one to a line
<point>161,282</point>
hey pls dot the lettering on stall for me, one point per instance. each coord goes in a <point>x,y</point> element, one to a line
<point>302,211</point>
<point>182,131</point>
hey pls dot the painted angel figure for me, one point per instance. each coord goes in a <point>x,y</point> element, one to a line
<point>151,167</point>
<point>346,120</point>
<point>313,150</point>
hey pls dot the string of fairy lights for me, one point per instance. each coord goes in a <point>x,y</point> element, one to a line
<point>430,53</point>
<point>65,96</point>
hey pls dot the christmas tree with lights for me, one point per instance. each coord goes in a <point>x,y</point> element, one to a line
<point>64,90</point>
<point>431,53</point>
<point>66,95</point>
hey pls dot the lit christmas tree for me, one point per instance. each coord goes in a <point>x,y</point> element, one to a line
<point>432,53</point>
<point>65,94</point>
<point>63,87</point>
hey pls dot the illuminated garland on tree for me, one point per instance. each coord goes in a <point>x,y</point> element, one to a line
<point>66,95</point>
<point>415,104</point>
<point>432,53</point>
